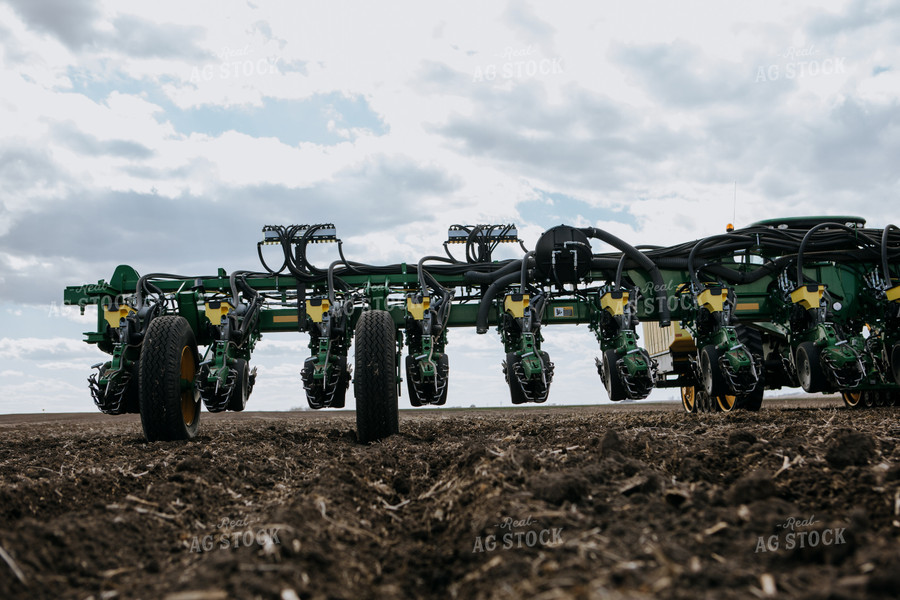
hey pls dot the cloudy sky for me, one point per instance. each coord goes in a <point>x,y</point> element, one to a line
<point>165,134</point>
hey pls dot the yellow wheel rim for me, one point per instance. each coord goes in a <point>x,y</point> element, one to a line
<point>726,403</point>
<point>188,402</point>
<point>852,399</point>
<point>689,399</point>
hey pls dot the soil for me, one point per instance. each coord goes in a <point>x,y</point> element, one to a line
<point>800,500</point>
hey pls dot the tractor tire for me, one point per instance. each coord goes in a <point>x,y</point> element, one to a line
<point>516,394</point>
<point>689,399</point>
<point>238,399</point>
<point>375,384</point>
<point>809,368</point>
<point>615,388</point>
<point>713,378</point>
<point>169,397</point>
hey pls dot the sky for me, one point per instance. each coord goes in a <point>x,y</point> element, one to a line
<point>165,134</point>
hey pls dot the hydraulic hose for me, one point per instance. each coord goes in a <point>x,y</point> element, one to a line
<point>738,245</point>
<point>641,259</point>
<point>808,236</point>
<point>487,278</point>
<point>481,321</point>
<point>884,253</point>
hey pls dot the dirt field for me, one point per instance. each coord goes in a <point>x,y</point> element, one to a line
<point>801,500</point>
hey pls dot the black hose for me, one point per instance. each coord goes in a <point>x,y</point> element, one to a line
<point>486,278</point>
<point>643,261</point>
<point>487,299</point>
<point>806,239</point>
<point>738,245</point>
<point>529,258</point>
<point>884,253</point>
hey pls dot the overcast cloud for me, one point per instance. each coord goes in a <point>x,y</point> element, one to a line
<point>165,134</point>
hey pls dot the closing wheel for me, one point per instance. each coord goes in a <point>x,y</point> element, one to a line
<point>410,386</point>
<point>443,366</point>
<point>852,399</point>
<point>612,380</point>
<point>689,399</point>
<point>168,395</point>
<point>241,391</point>
<point>713,378</point>
<point>516,394</point>
<point>809,368</point>
<point>375,384</point>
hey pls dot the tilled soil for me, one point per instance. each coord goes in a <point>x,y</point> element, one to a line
<point>622,502</point>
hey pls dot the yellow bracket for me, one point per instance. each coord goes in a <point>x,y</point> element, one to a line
<point>114,316</point>
<point>614,302</point>
<point>713,299</point>
<point>216,311</point>
<point>515,304</point>
<point>893,294</point>
<point>417,308</point>
<point>808,296</point>
<point>316,309</point>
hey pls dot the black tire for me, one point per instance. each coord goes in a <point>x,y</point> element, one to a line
<point>410,388</point>
<point>809,368</point>
<point>375,384</point>
<point>868,399</point>
<point>516,394</point>
<point>713,378</point>
<point>689,399</point>
<point>753,400</point>
<point>895,362</point>
<point>238,399</point>
<point>615,388</point>
<point>131,397</point>
<point>169,397</point>
<point>443,367</point>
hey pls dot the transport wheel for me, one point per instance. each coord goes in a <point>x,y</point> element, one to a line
<point>713,378</point>
<point>238,399</point>
<point>852,399</point>
<point>169,397</point>
<point>611,378</point>
<point>895,363</point>
<point>375,384</point>
<point>516,394</point>
<point>809,368</point>
<point>689,399</point>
